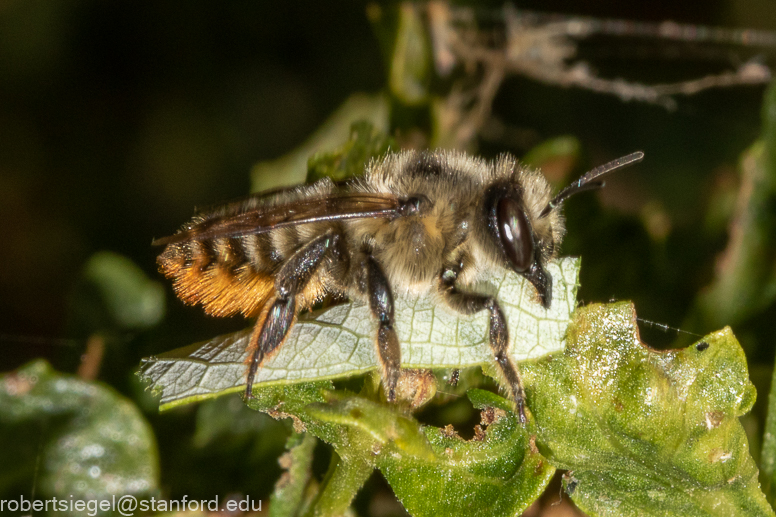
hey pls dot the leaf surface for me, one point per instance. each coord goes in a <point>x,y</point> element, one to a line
<point>646,432</point>
<point>339,342</point>
<point>87,441</point>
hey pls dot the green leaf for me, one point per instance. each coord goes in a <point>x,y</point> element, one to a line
<point>646,432</point>
<point>292,490</point>
<point>291,168</point>
<point>643,432</point>
<point>432,471</point>
<point>496,473</point>
<point>87,441</point>
<point>411,61</point>
<point>344,478</point>
<point>115,294</point>
<point>351,158</point>
<point>745,280</point>
<point>768,453</point>
<point>339,342</point>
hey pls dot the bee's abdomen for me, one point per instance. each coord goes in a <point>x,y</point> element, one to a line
<point>226,276</point>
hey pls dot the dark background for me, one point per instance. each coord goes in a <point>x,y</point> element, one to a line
<point>118,118</point>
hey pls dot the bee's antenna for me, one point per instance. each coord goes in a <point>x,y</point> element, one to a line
<point>591,181</point>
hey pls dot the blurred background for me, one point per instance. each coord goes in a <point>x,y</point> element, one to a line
<point>117,119</point>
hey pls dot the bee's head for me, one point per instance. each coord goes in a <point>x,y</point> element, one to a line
<point>526,226</point>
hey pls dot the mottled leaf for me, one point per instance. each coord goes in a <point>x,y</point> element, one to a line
<point>646,432</point>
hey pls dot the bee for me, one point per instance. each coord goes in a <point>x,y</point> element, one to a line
<point>413,223</point>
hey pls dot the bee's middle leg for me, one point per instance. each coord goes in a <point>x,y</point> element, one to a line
<point>292,278</point>
<point>381,304</point>
<point>470,303</point>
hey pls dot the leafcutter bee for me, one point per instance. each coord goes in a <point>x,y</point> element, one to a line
<point>415,222</point>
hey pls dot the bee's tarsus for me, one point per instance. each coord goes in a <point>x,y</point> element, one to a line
<point>256,357</point>
<point>270,333</point>
<point>521,410</point>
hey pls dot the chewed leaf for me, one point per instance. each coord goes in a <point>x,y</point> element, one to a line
<point>496,473</point>
<point>646,432</point>
<point>339,342</point>
<point>432,471</point>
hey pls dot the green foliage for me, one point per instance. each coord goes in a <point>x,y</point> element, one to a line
<point>114,294</point>
<point>497,470</point>
<point>410,63</point>
<point>406,50</point>
<point>370,111</point>
<point>350,159</point>
<point>292,491</point>
<point>745,283</point>
<point>768,454</point>
<point>642,431</point>
<point>73,438</point>
<point>646,432</point>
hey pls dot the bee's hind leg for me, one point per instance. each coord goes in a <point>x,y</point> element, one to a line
<point>470,303</point>
<point>293,277</point>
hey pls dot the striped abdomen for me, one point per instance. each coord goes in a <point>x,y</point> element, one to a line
<point>226,276</point>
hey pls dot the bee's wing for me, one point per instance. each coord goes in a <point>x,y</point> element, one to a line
<point>262,219</point>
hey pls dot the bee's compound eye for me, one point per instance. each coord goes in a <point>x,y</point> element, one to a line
<point>514,233</point>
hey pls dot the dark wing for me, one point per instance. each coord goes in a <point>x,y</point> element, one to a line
<point>336,207</point>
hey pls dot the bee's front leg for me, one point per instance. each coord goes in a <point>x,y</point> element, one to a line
<point>293,277</point>
<point>470,303</point>
<point>381,303</point>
